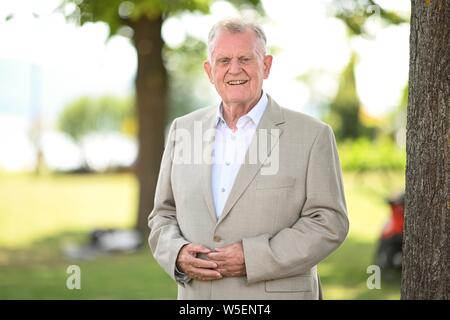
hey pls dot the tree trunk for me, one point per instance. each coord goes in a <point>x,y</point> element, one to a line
<point>151,90</point>
<point>426,245</point>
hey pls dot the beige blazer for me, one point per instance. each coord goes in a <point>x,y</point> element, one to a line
<point>288,221</point>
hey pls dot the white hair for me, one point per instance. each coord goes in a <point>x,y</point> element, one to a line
<point>236,25</point>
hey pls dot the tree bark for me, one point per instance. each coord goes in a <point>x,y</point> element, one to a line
<point>151,97</point>
<point>426,244</point>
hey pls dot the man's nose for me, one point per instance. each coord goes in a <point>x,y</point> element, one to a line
<point>235,66</point>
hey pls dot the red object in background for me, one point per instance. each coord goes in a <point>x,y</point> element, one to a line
<point>395,224</point>
<point>389,251</point>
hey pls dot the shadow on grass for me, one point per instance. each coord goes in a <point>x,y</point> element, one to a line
<point>344,274</point>
<point>40,272</point>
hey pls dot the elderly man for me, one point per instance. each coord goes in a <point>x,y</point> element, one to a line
<point>254,217</point>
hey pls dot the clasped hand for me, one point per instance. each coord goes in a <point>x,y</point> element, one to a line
<point>221,262</point>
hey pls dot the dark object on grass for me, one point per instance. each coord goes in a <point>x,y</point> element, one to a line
<point>114,240</point>
<point>389,251</point>
<point>106,241</point>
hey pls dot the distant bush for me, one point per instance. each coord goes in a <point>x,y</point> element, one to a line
<point>366,155</point>
<point>105,114</point>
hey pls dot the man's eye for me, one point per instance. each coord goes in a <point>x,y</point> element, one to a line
<point>224,61</point>
<point>244,60</point>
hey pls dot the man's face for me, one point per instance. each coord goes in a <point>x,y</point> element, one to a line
<point>238,68</point>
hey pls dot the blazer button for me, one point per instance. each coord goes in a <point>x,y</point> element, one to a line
<point>217,239</point>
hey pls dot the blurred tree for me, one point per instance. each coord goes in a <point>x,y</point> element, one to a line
<point>86,115</point>
<point>76,118</point>
<point>145,19</point>
<point>356,13</point>
<point>426,244</point>
<point>185,70</point>
<point>345,113</point>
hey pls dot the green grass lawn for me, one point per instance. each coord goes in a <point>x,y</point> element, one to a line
<point>39,215</point>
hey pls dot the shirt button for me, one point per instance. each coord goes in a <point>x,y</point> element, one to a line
<point>227,163</point>
<point>217,239</point>
<point>223,189</point>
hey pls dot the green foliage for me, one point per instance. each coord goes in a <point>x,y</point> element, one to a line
<point>344,111</point>
<point>185,68</point>
<point>365,155</point>
<point>183,63</point>
<point>118,13</point>
<point>345,114</point>
<point>104,114</point>
<point>356,13</point>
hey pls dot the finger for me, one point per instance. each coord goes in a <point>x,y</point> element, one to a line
<point>206,273</point>
<point>231,268</point>
<point>229,265</point>
<point>228,273</point>
<point>221,264</point>
<point>207,279</point>
<point>198,248</point>
<point>232,246</point>
<point>218,256</point>
<point>193,249</point>
<point>202,263</point>
<point>222,271</point>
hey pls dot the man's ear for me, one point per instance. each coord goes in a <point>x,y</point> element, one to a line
<point>207,67</point>
<point>267,65</point>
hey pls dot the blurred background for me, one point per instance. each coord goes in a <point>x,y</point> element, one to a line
<point>88,88</point>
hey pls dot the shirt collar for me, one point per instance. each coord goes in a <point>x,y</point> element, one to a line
<point>255,113</point>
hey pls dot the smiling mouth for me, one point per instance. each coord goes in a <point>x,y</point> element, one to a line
<point>236,82</point>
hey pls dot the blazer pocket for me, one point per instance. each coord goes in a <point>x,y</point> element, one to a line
<point>272,182</point>
<point>301,283</point>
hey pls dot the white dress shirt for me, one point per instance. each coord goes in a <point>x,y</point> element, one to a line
<point>230,149</point>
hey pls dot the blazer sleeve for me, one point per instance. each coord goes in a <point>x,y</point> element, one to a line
<point>165,237</point>
<point>321,228</point>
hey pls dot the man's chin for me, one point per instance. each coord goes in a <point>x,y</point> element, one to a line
<point>236,103</point>
<point>242,99</point>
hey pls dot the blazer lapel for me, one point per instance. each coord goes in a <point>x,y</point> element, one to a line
<point>208,126</point>
<point>267,134</point>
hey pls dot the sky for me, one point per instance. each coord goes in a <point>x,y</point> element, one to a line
<point>47,62</point>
